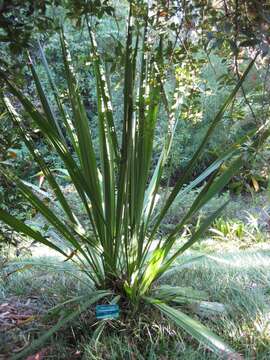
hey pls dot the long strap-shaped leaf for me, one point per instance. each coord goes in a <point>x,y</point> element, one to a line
<point>194,238</point>
<point>75,173</point>
<point>50,116</point>
<point>45,103</point>
<point>68,232</point>
<point>46,212</point>
<point>139,155</point>
<point>197,330</point>
<point>122,206</point>
<point>98,295</point>
<point>160,253</point>
<point>147,123</point>
<point>104,92</point>
<point>213,187</point>
<point>81,124</point>
<point>66,120</point>
<point>154,184</point>
<point>108,145</point>
<point>38,158</point>
<point>147,118</point>
<point>198,153</point>
<point>206,195</point>
<point>20,227</point>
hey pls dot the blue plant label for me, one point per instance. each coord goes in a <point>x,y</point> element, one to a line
<point>107,311</point>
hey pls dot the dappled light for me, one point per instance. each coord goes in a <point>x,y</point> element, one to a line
<point>134,179</point>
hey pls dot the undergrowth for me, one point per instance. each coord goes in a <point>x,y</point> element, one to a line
<point>239,280</point>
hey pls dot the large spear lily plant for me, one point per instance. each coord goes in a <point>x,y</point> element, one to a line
<point>119,250</point>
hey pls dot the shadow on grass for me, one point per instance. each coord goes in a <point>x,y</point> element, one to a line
<point>240,280</point>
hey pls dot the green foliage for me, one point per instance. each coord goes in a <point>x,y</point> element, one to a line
<point>18,21</point>
<point>13,154</point>
<point>247,231</point>
<point>118,249</point>
<point>202,97</point>
<point>228,229</point>
<point>183,203</point>
<point>206,78</point>
<point>237,279</point>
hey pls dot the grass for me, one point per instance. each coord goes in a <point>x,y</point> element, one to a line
<point>240,280</point>
<point>235,272</point>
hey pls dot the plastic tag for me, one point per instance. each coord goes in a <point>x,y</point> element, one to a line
<point>107,311</point>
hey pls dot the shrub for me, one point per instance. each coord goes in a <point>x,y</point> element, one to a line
<point>119,252</point>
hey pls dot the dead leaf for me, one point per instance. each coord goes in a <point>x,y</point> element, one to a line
<point>25,321</point>
<point>12,154</point>
<point>255,184</point>
<point>39,355</point>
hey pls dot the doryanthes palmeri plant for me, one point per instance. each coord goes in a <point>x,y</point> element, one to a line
<point>119,251</point>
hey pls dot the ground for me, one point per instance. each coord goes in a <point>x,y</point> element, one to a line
<point>234,271</point>
<point>239,280</point>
